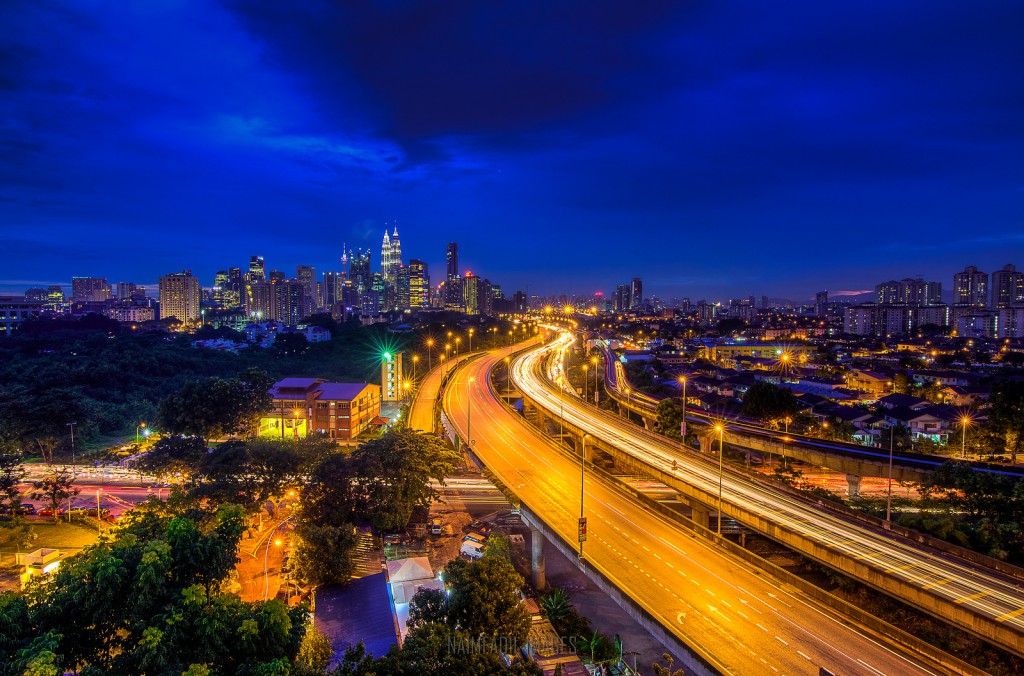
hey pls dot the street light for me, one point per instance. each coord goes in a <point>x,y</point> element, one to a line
<point>888,495</point>
<point>508,377</point>
<point>415,360</point>
<point>458,341</point>
<point>682,425</point>
<point>430,344</point>
<point>721,430</point>
<point>585,367</point>
<point>964,422</point>
<point>583,475</point>
<point>72,426</point>
<point>471,339</point>
<point>295,424</point>
<point>593,360</point>
<point>140,426</point>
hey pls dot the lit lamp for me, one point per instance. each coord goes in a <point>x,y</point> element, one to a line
<point>721,430</point>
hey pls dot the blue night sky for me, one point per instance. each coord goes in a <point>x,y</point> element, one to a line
<point>715,149</point>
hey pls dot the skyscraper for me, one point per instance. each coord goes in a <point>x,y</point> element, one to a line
<point>970,287</point>
<point>820,303</point>
<point>306,276</point>
<point>257,269</point>
<point>453,282</point>
<point>622,301</point>
<point>390,257</point>
<point>1007,286</point>
<point>403,291</point>
<point>636,294</point>
<point>471,293</point>
<point>419,284</point>
<point>179,297</point>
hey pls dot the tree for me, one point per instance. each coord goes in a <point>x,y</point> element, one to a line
<point>212,407</point>
<point>901,383</point>
<point>173,455</point>
<point>427,606</point>
<point>393,474</point>
<point>55,489</point>
<point>670,418</point>
<point>249,473</point>
<point>323,553</point>
<point>730,325</point>
<point>12,473</point>
<point>316,650</point>
<point>764,401</point>
<point>148,599</point>
<point>484,599</point>
<point>555,604</point>
<point>1006,415</point>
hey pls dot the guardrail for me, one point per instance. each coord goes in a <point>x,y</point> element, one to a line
<point>875,625</point>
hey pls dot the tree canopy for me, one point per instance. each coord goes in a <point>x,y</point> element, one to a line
<point>764,401</point>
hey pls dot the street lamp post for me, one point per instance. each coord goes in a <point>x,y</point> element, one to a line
<point>458,341</point>
<point>583,476</point>
<point>415,361</point>
<point>593,360</point>
<point>469,413</point>
<point>585,367</point>
<point>721,455</point>
<point>430,344</point>
<point>964,422</point>
<point>471,339</point>
<point>682,425</point>
<point>888,493</point>
<point>508,377</point>
<point>72,426</point>
<point>140,426</point>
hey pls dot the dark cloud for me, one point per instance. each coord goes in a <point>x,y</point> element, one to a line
<point>716,148</point>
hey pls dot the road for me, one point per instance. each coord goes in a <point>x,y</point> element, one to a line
<point>615,381</point>
<point>421,413</point>
<point>749,623</point>
<point>975,588</point>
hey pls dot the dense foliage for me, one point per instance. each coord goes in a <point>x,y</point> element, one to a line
<point>764,401</point>
<point>148,599</point>
<point>107,378</point>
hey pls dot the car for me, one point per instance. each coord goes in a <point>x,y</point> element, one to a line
<point>92,511</point>
<point>27,508</point>
<point>47,511</point>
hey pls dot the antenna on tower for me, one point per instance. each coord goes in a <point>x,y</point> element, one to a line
<point>344,254</point>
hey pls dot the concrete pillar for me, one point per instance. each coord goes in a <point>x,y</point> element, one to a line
<point>648,423</point>
<point>700,514</point>
<point>537,560</point>
<point>853,485</point>
<point>705,444</point>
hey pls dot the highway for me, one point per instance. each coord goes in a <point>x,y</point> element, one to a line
<point>974,588</point>
<point>617,383</point>
<point>746,621</point>
<point>421,413</point>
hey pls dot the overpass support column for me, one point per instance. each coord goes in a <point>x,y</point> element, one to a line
<point>852,485</point>
<point>537,576</point>
<point>705,443</point>
<point>700,514</point>
<point>648,424</point>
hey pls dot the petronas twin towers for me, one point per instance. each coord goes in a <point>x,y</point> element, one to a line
<point>390,256</point>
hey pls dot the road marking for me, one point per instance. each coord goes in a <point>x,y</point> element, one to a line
<point>965,599</point>
<point>780,641</point>
<point>937,583</point>
<point>803,656</point>
<point>762,628</point>
<point>741,614</point>
<point>880,673</point>
<point>1011,614</point>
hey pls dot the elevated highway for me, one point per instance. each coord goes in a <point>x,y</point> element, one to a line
<point>734,618</point>
<point>972,597</point>
<point>854,460</point>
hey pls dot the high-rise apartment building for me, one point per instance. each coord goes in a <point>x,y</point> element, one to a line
<point>622,298</point>
<point>471,294</point>
<point>1007,287</point>
<point>820,303</point>
<point>179,297</point>
<point>306,276</point>
<point>419,285</point>
<point>970,287</point>
<point>89,289</point>
<point>279,301</point>
<point>636,294</point>
<point>403,291</point>
<point>909,292</point>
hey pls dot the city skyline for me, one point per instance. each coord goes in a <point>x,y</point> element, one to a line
<point>626,149</point>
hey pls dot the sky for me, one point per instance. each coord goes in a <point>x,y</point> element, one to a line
<point>715,149</point>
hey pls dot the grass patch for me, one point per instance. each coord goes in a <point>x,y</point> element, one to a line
<point>69,537</point>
